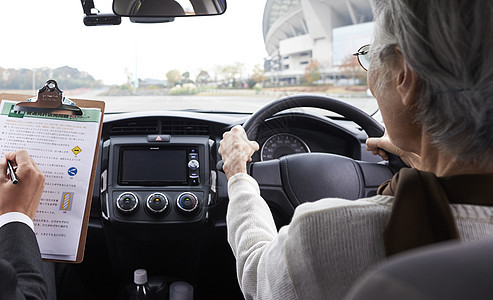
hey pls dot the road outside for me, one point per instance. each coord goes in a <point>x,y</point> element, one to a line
<point>221,102</point>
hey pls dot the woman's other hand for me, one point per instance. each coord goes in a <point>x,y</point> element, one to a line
<point>381,145</point>
<point>236,150</point>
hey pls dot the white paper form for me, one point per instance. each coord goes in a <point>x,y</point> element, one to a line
<point>63,147</point>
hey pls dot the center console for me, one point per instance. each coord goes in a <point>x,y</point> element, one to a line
<point>155,194</point>
<point>158,180</point>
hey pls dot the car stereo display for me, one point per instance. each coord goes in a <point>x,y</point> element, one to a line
<point>153,166</point>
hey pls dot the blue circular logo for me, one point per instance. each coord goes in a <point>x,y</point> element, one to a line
<point>72,171</point>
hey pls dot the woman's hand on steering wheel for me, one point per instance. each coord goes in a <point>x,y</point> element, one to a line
<point>236,150</point>
<point>381,145</point>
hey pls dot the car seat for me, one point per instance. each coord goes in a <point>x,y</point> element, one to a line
<point>448,270</point>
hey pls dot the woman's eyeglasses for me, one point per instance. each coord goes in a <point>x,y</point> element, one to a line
<point>363,55</point>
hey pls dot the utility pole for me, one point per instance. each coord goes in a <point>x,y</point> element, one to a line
<point>34,81</point>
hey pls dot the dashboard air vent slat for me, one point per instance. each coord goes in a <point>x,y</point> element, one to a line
<point>135,127</point>
<point>184,128</point>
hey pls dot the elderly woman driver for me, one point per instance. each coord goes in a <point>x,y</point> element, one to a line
<point>432,76</point>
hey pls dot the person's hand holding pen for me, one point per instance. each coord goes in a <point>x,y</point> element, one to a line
<point>24,196</point>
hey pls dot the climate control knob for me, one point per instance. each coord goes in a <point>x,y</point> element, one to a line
<point>127,202</point>
<point>157,203</point>
<point>187,202</point>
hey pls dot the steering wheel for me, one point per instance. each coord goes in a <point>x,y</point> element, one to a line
<point>292,180</point>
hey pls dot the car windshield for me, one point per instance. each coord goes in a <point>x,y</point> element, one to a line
<point>257,51</point>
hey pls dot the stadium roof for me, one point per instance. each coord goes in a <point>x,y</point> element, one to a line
<point>284,19</point>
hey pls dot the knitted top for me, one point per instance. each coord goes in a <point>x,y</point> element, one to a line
<point>326,248</point>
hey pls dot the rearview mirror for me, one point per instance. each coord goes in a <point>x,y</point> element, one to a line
<point>168,8</point>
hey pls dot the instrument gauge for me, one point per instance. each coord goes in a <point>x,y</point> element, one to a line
<point>282,144</point>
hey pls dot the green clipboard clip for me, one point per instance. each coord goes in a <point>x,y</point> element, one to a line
<point>50,100</point>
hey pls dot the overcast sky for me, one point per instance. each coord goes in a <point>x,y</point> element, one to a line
<point>50,33</point>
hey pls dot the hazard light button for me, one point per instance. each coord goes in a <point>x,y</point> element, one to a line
<point>163,138</point>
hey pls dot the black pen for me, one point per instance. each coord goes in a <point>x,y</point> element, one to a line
<point>12,173</point>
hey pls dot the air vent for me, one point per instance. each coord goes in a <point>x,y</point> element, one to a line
<point>184,128</point>
<point>135,127</point>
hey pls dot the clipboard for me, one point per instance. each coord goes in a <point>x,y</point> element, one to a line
<point>54,104</point>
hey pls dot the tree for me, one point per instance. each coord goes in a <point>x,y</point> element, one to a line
<point>186,77</point>
<point>203,77</point>
<point>351,69</point>
<point>71,78</point>
<point>230,72</point>
<point>66,77</point>
<point>173,77</point>
<point>258,74</point>
<point>312,72</point>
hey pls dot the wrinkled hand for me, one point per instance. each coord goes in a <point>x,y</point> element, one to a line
<point>24,196</point>
<point>378,146</point>
<point>236,150</point>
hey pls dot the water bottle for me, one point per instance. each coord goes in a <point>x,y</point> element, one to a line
<point>140,280</point>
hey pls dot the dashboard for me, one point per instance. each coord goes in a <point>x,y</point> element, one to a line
<point>161,202</point>
<point>161,168</point>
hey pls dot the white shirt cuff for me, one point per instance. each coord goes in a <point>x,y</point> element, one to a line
<point>16,217</point>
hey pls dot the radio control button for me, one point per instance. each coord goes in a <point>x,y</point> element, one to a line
<point>127,202</point>
<point>193,164</point>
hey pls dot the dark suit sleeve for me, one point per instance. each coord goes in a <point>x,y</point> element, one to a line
<point>21,267</point>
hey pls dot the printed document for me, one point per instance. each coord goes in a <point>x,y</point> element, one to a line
<point>63,147</point>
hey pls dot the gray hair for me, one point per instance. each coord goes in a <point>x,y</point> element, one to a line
<point>449,46</point>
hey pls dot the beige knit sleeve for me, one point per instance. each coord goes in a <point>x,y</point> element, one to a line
<point>259,249</point>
